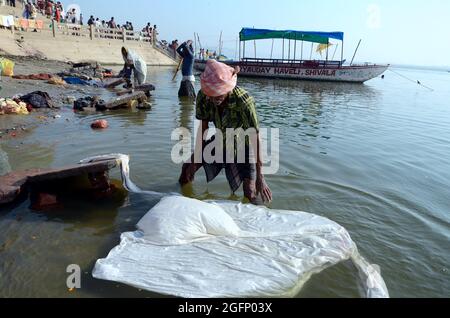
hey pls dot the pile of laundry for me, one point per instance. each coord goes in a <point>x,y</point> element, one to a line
<point>12,107</point>
<point>90,103</point>
<point>24,104</point>
<point>90,70</point>
<point>50,78</point>
<point>86,74</point>
<point>89,74</point>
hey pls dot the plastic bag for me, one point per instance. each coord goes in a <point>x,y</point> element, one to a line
<point>7,67</point>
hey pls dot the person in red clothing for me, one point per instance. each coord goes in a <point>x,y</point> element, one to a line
<point>49,9</point>
<point>58,14</point>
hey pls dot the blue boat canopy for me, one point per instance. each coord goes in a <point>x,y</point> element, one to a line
<point>249,34</point>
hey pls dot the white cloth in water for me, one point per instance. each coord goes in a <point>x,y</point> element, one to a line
<point>189,248</point>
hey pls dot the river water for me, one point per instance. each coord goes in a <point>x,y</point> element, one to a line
<point>374,158</point>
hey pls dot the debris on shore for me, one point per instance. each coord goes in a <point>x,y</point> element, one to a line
<point>100,124</point>
<point>12,107</point>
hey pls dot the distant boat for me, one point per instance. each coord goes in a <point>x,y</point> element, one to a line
<point>299,69</point>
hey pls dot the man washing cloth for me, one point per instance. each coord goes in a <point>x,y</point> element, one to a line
<point>229,107</point>
<point>134,64</point>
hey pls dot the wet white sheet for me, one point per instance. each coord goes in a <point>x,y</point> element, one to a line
<point>189,248</point>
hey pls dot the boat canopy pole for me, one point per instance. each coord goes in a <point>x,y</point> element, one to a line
<point>312,46</point>
<point>243,56</point>
<point>283,48</point>
<point>301,59</point>
<point>342,53</point>
<point>289,49</point>
<point>271,52</point>
<point>254,43</point>
<point>335,50</point>
<point>295,47</point>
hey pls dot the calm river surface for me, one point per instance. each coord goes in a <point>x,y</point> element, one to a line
<point>373,157</point>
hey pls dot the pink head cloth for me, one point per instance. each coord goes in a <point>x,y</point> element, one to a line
<point>218,79</point>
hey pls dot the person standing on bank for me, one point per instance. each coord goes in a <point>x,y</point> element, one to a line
<point>228,106</point>
<point>186,51</point>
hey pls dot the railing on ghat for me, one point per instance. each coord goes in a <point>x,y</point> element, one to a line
<point>90,32</point>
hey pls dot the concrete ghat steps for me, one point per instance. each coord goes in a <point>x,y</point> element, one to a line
<point>73,48</point>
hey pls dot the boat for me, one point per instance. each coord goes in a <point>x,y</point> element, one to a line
<point>299,69</point>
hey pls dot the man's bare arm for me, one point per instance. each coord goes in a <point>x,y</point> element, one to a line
<point>261,185</point>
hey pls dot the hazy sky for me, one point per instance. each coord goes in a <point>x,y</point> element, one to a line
<point>400,31</point>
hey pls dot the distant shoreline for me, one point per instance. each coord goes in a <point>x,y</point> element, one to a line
<point>422,67</point>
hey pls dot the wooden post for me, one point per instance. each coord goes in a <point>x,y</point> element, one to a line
<point>220,46</point>
<point>124,35</point>
<point>195,46</point>
<point>354,55</point>
<point>54,28</point>
<point>91,31</point>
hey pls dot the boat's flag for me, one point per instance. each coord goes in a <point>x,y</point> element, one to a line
<point>323,47</point>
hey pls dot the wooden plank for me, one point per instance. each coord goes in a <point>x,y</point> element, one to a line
<point>113,82</point>
<point>145,88</point>
<point>124,92</point>
<point>123,100</point>
<point>14,184</point>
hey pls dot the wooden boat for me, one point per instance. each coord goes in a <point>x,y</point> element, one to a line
<point>299,69</point>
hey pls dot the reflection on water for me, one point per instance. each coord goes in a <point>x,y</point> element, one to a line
<point>187,109</point>
<point>33,154</point>
<point>372,157</point>
<point>4,162</point>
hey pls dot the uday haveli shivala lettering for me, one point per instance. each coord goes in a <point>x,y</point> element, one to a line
<point>287,71</point>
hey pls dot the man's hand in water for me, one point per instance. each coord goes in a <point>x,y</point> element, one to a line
<point>263,189</point>
<point>188,173</point>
